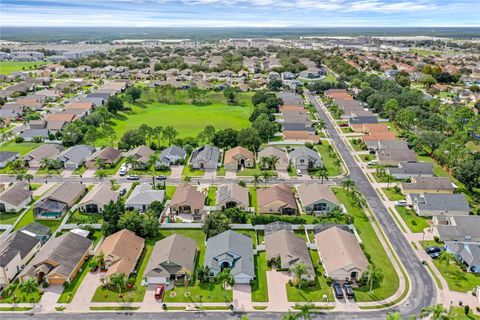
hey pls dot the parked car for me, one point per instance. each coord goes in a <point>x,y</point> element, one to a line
<point>159,292</point>
<point>401,203</point>
<point>337,290</point>
<point>433,249</point>
<point>133,177</point>
<point>123,170</point>
<point>122,192</point>
<point>372,162</point>
<point>348,290</point>
<point>299,172</point>
<point>435,255</point>
<point>161,178</point>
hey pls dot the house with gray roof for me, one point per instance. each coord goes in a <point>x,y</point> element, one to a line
<point>304,158</point>
<point>76,156</point>
<point>15,252</point>
<point>459,228</point>
<point>231,250</point>
<point>467,252</point>
<point>37,230</point>
<point>392,157</point>
<point>434,204</point>
<point>55,204</point>
<point>59,260</point>
<point>6,157</point>
<point>15,198</point>
<point>407,170</point>
<point>31,134</point>
<point>97,198</point>
<point>171,155</point>
<point>171,259</point>
<point>232,196</point>
<point>317,198</point>
<point>205,157</point>
<point>34,158</point>
<point>142,196</point>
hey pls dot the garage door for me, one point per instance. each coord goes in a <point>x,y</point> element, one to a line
<point>56,281</point>
<point>242,280</point>
<point>156,280</point>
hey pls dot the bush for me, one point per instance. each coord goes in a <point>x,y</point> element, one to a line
<point>268,218</point>
<point>329,281</point>
<point>19,139</point>
<point>436,238</point>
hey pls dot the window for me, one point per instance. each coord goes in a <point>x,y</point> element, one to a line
<point>320,207</point>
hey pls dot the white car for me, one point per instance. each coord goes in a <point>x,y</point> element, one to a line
<point>401,203</point>
<point>123,170</point>
<point>299,172</point>
<point>372,162</point>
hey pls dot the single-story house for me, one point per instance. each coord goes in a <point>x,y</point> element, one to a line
<point>15,198</point>
<point>290,249</point>
<point>6,157</point>
<point>392,157</point>
<point>276,199</point>
<point>171,155</point>
<point>187,199</point>
<point>435,204</point>
<point>121,252</point>
<point>231,250</point>
<point>304,158</point>
<point>279,153</point>
<point>238,158</point>
<point>59,260</point>
<point>341,255</point>
<point>406,170</point>
<point>232,196</point>
<point>15,252</point>
<point>317,198</point>
<point>106,156</point>
<point>97,198</point>
<point>441,185</point>
<point>459,228</point>
<point>37,230</point>
<point>171,258</point>
<point>75,157</point>
<point>142,154</point>
<point>142,196</point>
<point>34,158</point>
<point>467,252</point>
<point>59,201</point>
<point>205,157</point>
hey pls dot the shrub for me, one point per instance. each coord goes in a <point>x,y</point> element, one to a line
<point>436,238</point>
<point>19,139</point>
<point>268,218</point>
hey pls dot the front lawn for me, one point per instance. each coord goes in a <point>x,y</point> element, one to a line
<point>221,171</point>
<point>415,223</point>
<point>328,155</point>
<point>259,286</point>
<point>169,191</point>
<point>201,292</point>
<point>79,171</point>
<point>212,193</point>
<point>392,194</point>
<point>111,170</point>
<point>21,297</point>
<point>249,172</point>
<point>252,194</point>
<point>190,172</point>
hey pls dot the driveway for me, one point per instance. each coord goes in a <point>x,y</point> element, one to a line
<point>86,290</point>
<point>210,174</point>
<point>49,298</point>
<point>66,173</point>
<point>149,302</point>
<point>231,174</point>
<point>176,172</point>
<point>242,297</point>
<point>89,173</point>
<point>277,290</point>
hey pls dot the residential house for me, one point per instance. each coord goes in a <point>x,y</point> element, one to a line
<point>107,156</point>
<point>187,200</point>
<point>142,155</point>
<point>97,198</point>
<point>459,228</point>
<point>142,197</point>
<point>290,250</point>
<point>59,260</point>
<point>278,153</point>
<point>171,155</point>
<point>232,196</point>
<point>304,158</point>
<point>171,259</point>
<point>435,204</point>
<point>15,198</point>
<point>37,230</point>
<point>340,254</point>
<point>441,185</point>
<point>407,170</point>
<point>76,156</point>
<point>121,252</point>
<point>231,250</point>
<point>205,157</point>
<point>317,198</point>
<point>6,157</point>
<point>15,252</point>
<point>32,134</point>
<point>56,203</point>
<point>276,199</point>
<point>238,158</point>
<point>467,253</point>
<point>34,158</point>
<point>393,157</point>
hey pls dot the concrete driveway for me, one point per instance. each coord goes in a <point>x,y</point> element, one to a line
<point>277,290</point>
<point>230,174</point>
<point>86,290</point>
<point>210,174</point>
<point>176,172</point>
<point>50,298</point>
<point>242,297</point>
<point>89,173</point>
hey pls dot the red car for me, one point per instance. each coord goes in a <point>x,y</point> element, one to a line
<point>159,292</point>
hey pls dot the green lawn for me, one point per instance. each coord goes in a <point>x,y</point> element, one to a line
<point>45,171</point>
<point>9,218</point>
<point>201,292</point>
<point>314,293</point>
<point>221,171</point>
<point>29,218</point>
<point>112,170</point>
<point>21,297</point>
<point>249,172</point>
<point>367,157</point>
<point>414,222</point>
<point>328,160</point>
<point>7,67</point>
<point>211,196</point>
<point>186,118</point>
<point>252,194</point>
<point>190,172</point>
<point>259,287</point>
<point>169,191</point>
<point>393,195</point>
<point>22,148</point>
<point>83,217</point>
<point>374,249</point>
<point>458,313</point>
<point>69,291</point>
<point>79,171</point>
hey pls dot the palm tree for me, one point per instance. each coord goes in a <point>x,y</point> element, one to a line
<point>437,312</point>
<point>290,316</point>
<point>187,178</point>
<point>119,281</point>
<point>256,180</point>
<point>447,258</point>
<point>225,277</point>
<point>273,160</point>
<point>299,270</point>
<point>29,178</point>
<point>20,177</point>
<point>11,290</point>
<point>375,275</point>
<point>187,279</point>
<point>152,160</point>
<point>45,163</point>
<point>394,316</point>
<point>16,165</point>
<point>305,310</point>
<point>266,175</point>
<point>112,184</point>
<point>347,184</point>
<point>29,286</point>
<point>388,179</point>
<point>100,174</point>
<point>264,162</point>
<point>322,174</point>
<point>100,163</point>
<point>131,160</point>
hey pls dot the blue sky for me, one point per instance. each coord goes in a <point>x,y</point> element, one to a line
<point>241,13</point>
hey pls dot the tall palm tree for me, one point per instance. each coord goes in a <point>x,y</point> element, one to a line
<point>16,165</point>
<point>187,279</point>
<point>322,174</point>
<point>131,160</point>
<point>299,270</point>
<point>152,160</point>
<point>266,175</point>
<point>447,258</point>
<point>389,179</point>
<point>375,275</point>
<point>256,180</point>
<point>225,277</point>
<point>187,178</point>
<point>273,160</point>
<point>264,162</point>
<point>45,163</point>
<point>119,281</point>
<point>437,312</point>
<point>20,177</point>
<point>29,286</point>
<point>100,174</point>
<point>305,310</point>
<point>290,316</point>
<point>347,184</point>
<point>11,290</point>
<point>29,178</point>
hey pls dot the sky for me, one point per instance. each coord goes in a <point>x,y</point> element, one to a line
<point>241,13</point>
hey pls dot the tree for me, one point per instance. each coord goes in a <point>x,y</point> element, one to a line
<point>447,258</point>
<point>299,270</point>
<point>150,225</point>
<point>236,215</point>
<point>131,139</point>
<point>134,93</point>
<point>110,133</point>
<point>249,138</point>
<point>101,174</point>
<point>187,279</point>
<point>16,165</point>
<point>256,180</point>
<point>394,316</point>
<point>275,85</point>
<point>119,281</point>
<point>187,179</point>
<point>226,138</point>
<point>170,133</point>
<point>91,136</point>
<point>322,174</point>
<point>114,104</point>
<point>374,276</point>
<point>29,178</point>
<point>206,135</point>
<point>266,175</point>
<point>427,80</point>
<point>132,221</point>
<point>437,312</point>
<point>231,95</point>
<point>215,223</point>
<point>29,285</point>
<point>305,310</point>
<point>290,316</point>
<point>11,290</point>
<point>225,277</point>
<point>347,184</point>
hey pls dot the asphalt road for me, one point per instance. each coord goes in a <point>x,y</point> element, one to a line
<point>423,289</point>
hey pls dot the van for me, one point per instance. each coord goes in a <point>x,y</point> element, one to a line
<point>159,292</point>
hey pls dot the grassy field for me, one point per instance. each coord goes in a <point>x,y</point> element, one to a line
<point>414,222</point>
<point>374,248</point>
<point>259,287</point>
<point>7,67</point>
<point>22,148</point>
<point>186,118</point>
<point>392,194</point>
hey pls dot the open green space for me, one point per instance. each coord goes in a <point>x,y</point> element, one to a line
<point>328,157</point>
<point>22,148</point>
<point>190,172</point>
<point>373,248</point>
<point>392,194</point>
<point>7,67</point>
<point>29,218</point>
<point>259,286</point>
<point>413,221</point>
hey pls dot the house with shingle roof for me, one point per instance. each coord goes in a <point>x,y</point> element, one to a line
<point>406,170</point>
<point>231,250</point>
<point>15,198</point>
<point>188,200</point>
<point>108,156</point>
<point>142,197</point>
<point>441,185</point>
<point>59,260</point>
<point>317,198</point>
<point>171,155</point>
<point>205,157</point>
<point>238,158</point>
<point>459,228</point>
<point>57,202</point>
<point>34,158</point>
<point>142,154</point>
<point>76,156</point>
<point>467,253</point>
<point>279,153</point>
<point>38,230</point>
<point>97,198</point>
<point>171,259</point>
<point>6,157</point>
<point>276,199</point>
<point>232,196</point>
<point>434,204</point>
<point>121,252</point>
<point>304,158</point>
